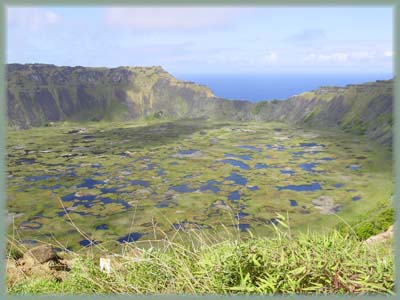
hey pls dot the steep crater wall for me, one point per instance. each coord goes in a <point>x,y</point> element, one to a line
<point>38,94</point>
<point>360,109</point>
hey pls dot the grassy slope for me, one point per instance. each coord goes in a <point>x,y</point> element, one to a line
<point>359,109</point>
<point>282,264</point>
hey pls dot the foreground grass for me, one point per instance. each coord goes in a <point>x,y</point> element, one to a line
<point>307,263</point>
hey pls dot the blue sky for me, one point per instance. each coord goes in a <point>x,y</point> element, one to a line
<point>206,39</point>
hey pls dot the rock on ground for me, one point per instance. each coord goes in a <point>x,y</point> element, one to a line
<point>326,205</point>
<point>41,254</point>
<point>39,261</point>
<point>381,237</point>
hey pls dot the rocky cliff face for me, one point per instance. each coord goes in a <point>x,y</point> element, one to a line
<point>360,109</point>
<point>38,94</point>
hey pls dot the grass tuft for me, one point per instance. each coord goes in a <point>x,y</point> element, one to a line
<point>307,263</point>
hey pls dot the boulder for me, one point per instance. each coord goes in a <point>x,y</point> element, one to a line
<point>326,205</point>
<point>41,254</point>
<point>381,237</point>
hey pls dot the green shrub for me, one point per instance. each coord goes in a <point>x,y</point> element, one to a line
<point>259,106</point>
<point>370,223</point>
<point>355,127</point>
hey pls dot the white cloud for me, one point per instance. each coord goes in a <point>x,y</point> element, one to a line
<point>270,57</point>
<point>31,18</point>
<point>362,55</point>
<point>351,56</point>
<point>388,53</point>
<point>228,57</point>
<point>167,18</point>
<point>338,56</point>
<point>50,17</point>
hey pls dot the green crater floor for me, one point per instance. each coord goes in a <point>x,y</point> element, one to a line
<point>112,179</point>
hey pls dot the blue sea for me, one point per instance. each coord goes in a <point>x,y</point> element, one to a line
<point>258,87</point>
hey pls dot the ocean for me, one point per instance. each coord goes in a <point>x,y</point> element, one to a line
<point>258,87</point>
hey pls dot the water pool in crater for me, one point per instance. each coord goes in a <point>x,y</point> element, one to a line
<point>149,186</point>
<point>236,163</point>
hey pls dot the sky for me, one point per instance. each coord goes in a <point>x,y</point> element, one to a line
<point>201,40</point>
